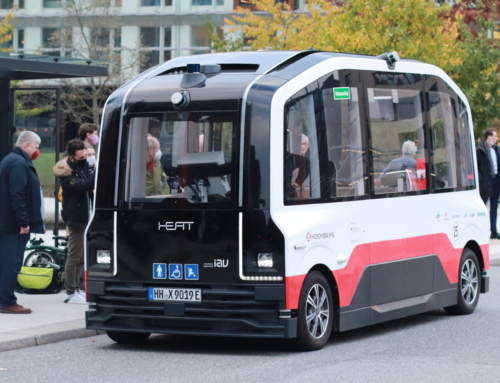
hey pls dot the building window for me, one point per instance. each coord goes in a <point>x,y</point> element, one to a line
<point>150,3</point>
<point>52,3</point>
<point>201,2</point>
<point>219,2</point>
<point>49,48</point>
<point>117,38</point>
<point>168,3</point>
<point>200,38</point>
<point>6,4</point>
<point>167,43</point>
<point>20,39</point>
<point>150,38</point>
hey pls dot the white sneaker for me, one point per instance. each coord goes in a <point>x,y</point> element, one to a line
<point>82,294</point>
<point>78,299</point>
<point>68,297</point>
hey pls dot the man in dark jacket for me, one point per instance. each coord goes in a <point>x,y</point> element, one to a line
<point>21,213</point>
<point>488,163</point>
<point>77,188</point>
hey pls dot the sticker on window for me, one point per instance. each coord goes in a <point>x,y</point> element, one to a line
<point>341,94</point>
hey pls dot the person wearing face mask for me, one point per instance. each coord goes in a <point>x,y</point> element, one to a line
<point>155,178</point>
<point>21,213</point>
<point>88,134</point>
<point>77,186</point>
<point>488,164</point>
<point>91,160</point>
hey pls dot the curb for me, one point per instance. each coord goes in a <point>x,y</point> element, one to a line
<point>42,335</point>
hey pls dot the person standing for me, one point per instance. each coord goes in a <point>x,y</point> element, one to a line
<point>77,188</point>
<point>21,213</point>
<point>488,163</point>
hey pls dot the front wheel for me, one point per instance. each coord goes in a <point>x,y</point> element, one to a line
<point>315,313</point>
<point>124,337</point>
<point>39,258</point>
<point>469,285</point>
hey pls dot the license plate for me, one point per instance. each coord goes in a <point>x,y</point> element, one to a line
<point>174,295</point>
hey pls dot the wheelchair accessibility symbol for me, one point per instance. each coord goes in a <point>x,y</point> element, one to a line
<point>175,271</point>
<point>191,272</point>
<point>455,231</point>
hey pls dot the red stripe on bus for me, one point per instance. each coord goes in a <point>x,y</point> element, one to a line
<point>485,249</point>
<point>385,251</point>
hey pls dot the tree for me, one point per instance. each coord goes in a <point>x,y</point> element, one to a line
<point>479,74</point>
<point>94,38</point>
<point>6,30</point>
<point>455,39</point>
<point>224,43</point>
<point>413,28</point>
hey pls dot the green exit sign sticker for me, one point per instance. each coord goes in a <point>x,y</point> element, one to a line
<point>341,94</point>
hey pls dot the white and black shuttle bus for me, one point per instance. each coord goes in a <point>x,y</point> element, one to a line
<point>284,195</point>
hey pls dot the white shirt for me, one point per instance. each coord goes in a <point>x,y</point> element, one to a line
<point>493,154</point>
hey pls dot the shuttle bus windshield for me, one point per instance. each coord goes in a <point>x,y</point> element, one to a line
<point>181,156</point>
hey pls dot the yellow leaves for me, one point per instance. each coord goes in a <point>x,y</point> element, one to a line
<point>487,96</point>
<point>5,29</point>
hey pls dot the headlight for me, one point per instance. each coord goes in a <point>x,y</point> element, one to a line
<point>103,257</point>
<point>265,260</point>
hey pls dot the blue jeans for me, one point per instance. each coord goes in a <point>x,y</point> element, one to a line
<point>12,248</point>
<point>495,183</point>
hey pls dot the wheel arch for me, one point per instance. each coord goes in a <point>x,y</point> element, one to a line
<point>327,273</point>
<point>473,245</point>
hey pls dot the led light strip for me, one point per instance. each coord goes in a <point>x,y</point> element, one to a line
<point>115,243</point>
<point>240,246</point>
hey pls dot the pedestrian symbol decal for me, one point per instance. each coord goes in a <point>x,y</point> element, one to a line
<point>159,271</point>
<point>191,272</point>
<point>175,271</point>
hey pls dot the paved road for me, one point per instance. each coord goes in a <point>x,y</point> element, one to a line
<point>432,347</point>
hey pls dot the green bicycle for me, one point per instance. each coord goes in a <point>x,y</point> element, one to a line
<point>46,256</point>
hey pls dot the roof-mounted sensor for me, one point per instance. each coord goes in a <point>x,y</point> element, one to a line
<point>196,74</point>
<point>390,57</point>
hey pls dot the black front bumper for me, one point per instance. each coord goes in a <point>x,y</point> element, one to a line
<point>226,310</point>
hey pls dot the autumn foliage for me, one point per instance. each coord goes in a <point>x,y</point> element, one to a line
<point>454,39</point>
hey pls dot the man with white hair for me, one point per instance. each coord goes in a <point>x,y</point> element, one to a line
<point>21,213</point>
<point>406,161</point>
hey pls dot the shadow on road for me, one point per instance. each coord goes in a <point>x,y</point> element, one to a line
<point>247,346</point>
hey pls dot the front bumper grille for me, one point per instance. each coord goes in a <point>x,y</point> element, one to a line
<point>225,310</point>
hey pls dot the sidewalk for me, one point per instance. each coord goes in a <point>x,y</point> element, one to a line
<point>51,321</point>
<point>54,321</point>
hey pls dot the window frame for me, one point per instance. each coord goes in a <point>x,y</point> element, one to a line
<point>356,83</point>
<point>368,83</point>
<point>178,204</point>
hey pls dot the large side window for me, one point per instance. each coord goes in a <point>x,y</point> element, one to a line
<point>345,169</point>
<point>302,173</point>
<point>467,179</point>
<point>442,104</point>
<point>398,154</point>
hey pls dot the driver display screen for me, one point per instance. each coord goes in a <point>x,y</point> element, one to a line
<point>183,156</point>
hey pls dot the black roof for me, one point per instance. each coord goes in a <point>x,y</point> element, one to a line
<point>262,61</point>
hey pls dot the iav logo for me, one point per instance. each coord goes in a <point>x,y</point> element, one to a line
<point>221,262</point>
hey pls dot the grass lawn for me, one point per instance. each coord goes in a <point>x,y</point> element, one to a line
<point>43,165</point>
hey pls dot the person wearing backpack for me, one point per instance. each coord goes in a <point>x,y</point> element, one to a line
<point>77,187</point>
<point>21,213</point>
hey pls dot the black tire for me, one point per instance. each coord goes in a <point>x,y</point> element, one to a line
<point>469,285</point>
<point>40,259</point>
<point>314,286</point>
<point>123,337</point>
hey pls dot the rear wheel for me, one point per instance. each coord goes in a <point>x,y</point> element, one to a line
<point>315,313</point>
<point>128,337</point>
<point>469,285</point>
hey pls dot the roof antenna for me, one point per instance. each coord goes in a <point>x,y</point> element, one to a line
<point>390,57</point>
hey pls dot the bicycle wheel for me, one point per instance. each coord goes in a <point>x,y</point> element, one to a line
<point>39,258</point>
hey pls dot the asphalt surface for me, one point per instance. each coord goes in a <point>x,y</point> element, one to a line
<point>431,347</point>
